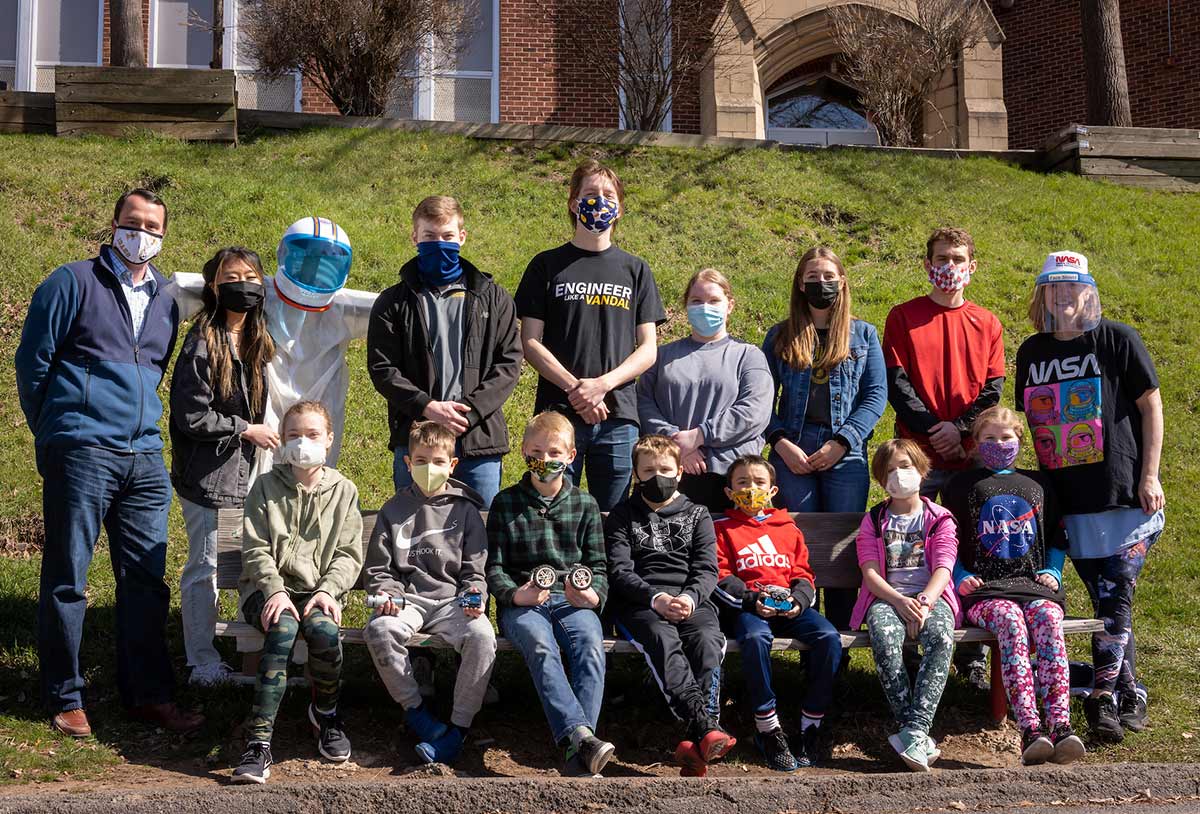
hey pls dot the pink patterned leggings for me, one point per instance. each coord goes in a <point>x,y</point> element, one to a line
<point>1014,626</point>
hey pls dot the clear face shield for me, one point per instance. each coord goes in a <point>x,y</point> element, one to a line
<point>1068,305</point>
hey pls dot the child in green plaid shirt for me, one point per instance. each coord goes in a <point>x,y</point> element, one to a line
<point>546,520</point>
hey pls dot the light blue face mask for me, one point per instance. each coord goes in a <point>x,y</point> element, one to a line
<point>707,320</point>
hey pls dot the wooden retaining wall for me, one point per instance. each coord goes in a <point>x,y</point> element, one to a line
<point>1150,157</point>
<point>24,112</point>
<point>180,102</point>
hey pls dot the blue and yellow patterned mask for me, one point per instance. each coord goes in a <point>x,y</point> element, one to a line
<point>545,471</point>
<point>597,213</point>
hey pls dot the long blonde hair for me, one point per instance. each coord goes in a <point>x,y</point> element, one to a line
<point>796,342</point>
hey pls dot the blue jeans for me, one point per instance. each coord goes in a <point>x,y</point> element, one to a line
<point>538,632</point>
<point>843,488</point>
<point>482,474</point>
<point>755,634</point>
<point>130,494</point>
<point>605,450</point>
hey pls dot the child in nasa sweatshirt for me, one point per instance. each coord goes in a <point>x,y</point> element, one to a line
<point>765,579</point>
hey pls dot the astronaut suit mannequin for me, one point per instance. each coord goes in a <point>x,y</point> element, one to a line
<point>311,316</point>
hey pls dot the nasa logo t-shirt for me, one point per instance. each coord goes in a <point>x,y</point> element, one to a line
<point>1080,399</point>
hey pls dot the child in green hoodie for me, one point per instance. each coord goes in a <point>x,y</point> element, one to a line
<point>301,552</point>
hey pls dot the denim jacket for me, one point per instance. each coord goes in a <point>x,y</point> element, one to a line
<point>857,389</point>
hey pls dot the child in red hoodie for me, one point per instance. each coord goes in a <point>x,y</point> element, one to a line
<point>764,577</point>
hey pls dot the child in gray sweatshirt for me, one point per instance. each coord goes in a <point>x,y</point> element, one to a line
<point>425,563</point>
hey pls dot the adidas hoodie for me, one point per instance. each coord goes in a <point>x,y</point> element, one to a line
<point>432,547</point>
<point>753,553</point>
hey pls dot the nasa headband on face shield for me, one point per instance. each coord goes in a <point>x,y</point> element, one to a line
<point>314,263</point>
<point>1068,295</point>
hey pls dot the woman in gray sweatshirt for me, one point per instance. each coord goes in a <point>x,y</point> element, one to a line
<point>709,392</point>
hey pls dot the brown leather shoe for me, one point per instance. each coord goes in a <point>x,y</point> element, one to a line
<point>72,722</point>
<point>168,716</point>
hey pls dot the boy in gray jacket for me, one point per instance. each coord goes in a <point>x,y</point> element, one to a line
<point>426,562</point>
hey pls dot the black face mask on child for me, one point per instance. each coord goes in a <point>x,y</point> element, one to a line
<point>658,489</point>
<point>240,297</point>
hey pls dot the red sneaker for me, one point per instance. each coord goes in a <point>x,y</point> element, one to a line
<point>716,744</point>
<point>690,759</point>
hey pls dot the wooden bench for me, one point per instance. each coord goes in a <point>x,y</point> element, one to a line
<point>831,550</point>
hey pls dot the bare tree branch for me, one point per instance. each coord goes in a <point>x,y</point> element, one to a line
<point>895,61</point>
<point>357,52</point>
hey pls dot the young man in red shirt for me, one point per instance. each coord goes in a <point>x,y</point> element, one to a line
<point>945,365</point>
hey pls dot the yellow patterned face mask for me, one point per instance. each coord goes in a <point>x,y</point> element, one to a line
<point>752,500</point>
<point>545,471</point>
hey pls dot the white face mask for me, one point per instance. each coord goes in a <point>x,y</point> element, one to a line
<point>904,482</point>
<point>136,245</point>
<point>303,452</point>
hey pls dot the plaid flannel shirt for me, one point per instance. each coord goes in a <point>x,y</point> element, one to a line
<point>523,533</point>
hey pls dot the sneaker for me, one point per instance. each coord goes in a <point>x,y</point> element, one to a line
<point>444,750</point>
<point>774,746</point>
<point>932,752</point>
<point>211,675</point>
<point>715,744</point>
<point>1036,748</point>
<point>913,749</point>
<point>816,746</point>
<point>691,762</point>
<point>1103,719</point>
<point>422,723</point>
<point>1132,711</point>
<point>976,674</point>
<point>255,765</point>
<point>595,753</point>
<point>1068,748</point>
<point>422,667</point>
<point>574,766</point>
<point>332,742</point>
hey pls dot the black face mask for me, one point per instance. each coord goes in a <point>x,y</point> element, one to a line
<point>823,294</point>
<point>658,489</point>
<point>240,297</point>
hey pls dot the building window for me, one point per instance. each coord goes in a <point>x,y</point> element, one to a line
<point>255,91</point>
<point>817,110</point>
<point>67,32</point>
<point>462,87</point>
<point>8,43</point>
<point>181,35</point>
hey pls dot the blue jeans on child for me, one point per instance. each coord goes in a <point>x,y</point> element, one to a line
<point>538,632</point>
<point>482,474</point>
<point>755,634</point>
<point>130,495</point>
<point>605,449</point>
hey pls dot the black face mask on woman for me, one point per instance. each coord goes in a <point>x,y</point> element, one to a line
<point>240,297</point>
<point>658,489</point>
<point>822,294</point>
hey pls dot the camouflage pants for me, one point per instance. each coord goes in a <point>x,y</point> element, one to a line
<point>324,661</point>
<point>913,706</point>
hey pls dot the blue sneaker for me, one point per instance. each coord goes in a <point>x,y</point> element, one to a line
<point>422,723</point>
<point>445,749</point>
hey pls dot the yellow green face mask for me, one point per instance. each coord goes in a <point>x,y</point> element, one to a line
<point>430,477</point>
<point>751,500</point>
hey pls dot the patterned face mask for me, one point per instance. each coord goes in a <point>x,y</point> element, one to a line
<point>136,245</point>
<point>545,471</point>
<point>949,277</point>
<point>999,455</point>
<point>751,500</point>
<point>597,213</point>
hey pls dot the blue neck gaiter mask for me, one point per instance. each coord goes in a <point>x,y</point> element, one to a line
<point>438,263</point>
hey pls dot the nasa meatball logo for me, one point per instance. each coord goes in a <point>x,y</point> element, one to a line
<point>1007,527</point>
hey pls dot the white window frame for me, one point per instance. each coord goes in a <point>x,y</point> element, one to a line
<point>26,63</point>
<point>423,86</point>
<point>667,119</point>
<point>819,136</point>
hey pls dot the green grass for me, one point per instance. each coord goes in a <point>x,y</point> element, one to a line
<point>748,213</point>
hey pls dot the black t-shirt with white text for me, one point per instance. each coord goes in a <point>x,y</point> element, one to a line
<point>1080,398</point>
<point>591,304</point>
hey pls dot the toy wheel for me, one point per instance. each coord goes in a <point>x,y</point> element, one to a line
<point>581,577</point>
<point>543,576</point>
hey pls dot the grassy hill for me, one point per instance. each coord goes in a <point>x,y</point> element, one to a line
<point>749,213</point>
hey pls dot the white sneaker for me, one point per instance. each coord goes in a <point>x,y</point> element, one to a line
<point>211,675</point>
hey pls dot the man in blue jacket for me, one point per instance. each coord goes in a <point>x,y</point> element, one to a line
<point>95,345</point>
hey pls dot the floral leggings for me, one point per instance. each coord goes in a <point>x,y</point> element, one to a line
<point>913,705</point>
<point>1014,626</point>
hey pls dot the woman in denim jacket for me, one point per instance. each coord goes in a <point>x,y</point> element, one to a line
<point>831,388</point>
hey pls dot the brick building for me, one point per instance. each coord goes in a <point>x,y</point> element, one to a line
<point>1023,81</point>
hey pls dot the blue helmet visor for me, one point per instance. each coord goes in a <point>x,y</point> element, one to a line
<point>315,264</point>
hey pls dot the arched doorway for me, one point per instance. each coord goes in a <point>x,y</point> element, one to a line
<point>816,109</point>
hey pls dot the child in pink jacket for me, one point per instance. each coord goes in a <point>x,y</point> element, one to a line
<point>907,546</point>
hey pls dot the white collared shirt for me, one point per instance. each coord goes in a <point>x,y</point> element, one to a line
<point>137,296</point>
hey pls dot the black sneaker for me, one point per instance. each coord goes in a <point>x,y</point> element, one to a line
<point>1132,712</point>
<point>1068,748</point>
<point>774,747</point>
<point>816,746</point>
<point>595,753</point>
<point>1036,748</point>
<point>977,675</point>
<point>255,765</point>
<point>1103,719</point>
<point>332,742</point>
